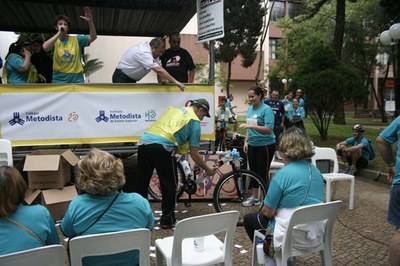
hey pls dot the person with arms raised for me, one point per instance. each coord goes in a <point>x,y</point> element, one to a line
<point>67,49</point>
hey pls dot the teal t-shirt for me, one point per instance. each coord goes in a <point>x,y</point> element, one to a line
<point>129,211</point>
<point>353,142</point>
<point>38,219</point>
<point>191,133</point>
<point>298,112</point>
<point>60,77</point>
<point>299,183</point>
<point>391,134</point>
<point>265,117</point>
<point>14,76</point>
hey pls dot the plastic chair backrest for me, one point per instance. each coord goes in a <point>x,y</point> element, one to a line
<point>202,226</point>
<point>311,214</point>
<point>53,255</point>
<point>326,154</point>
<point>6,157</point>
<point>111,243</point>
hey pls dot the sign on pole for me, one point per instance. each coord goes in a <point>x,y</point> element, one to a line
<point>210,20</point>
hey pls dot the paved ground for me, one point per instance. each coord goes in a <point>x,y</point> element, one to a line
<point>360,236</point>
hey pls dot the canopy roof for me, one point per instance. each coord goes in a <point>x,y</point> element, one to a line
<point>111,17</point>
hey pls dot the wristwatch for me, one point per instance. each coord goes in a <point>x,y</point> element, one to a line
<point>392,164</point>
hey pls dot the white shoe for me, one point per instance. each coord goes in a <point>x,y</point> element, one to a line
<point>251,202</point>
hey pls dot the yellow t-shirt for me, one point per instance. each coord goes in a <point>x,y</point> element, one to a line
<point>67,56</point>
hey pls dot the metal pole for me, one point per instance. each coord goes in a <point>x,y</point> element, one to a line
<point>211,77</point>
<point>396,77</point>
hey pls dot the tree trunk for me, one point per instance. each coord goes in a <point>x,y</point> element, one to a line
<point>228,79</point>
<point>381,86</point>
<point>339,117</point>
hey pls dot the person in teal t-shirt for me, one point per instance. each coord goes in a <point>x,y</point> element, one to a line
<point>388,137</point>
<point>260,139</point>
<point>354,150</point>
<point>15,216</point>
<point>299,183</point>
<point>101,175</point>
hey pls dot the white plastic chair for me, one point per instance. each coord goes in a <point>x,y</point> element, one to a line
<point>179,249</point>
<point>111,243</point>
<point>53,255</point>
<point>6,157</point>
<point>307,215</point>
<point>330,178</point>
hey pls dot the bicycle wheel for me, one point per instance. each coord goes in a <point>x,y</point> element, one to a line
<point>155,189</point>
<point>233,189</point>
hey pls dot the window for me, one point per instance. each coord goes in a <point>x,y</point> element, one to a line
<point>278,11</point>
<point>294,9</point>
<point>273,44</point>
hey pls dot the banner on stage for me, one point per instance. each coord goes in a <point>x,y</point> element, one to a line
<point>79,114</point>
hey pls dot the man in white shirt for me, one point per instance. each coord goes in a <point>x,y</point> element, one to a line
<point>140,60</point>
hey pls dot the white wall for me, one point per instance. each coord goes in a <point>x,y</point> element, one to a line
<point>6,38</point>
<point>110,49</point>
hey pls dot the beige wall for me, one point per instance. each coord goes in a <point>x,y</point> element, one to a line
<point>110,49</point>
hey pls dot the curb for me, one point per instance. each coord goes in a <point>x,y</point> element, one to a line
<point>377,176</point>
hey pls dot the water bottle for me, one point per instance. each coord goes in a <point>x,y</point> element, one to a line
<point>260,252</point>
<point>186,167</point>
<point>222,161</point>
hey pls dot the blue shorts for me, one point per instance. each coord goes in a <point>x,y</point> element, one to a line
<point>394,206</point>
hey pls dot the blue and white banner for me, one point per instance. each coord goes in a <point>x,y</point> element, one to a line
<point>84,114</point>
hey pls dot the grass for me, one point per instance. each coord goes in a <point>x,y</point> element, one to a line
<point>338,133</point>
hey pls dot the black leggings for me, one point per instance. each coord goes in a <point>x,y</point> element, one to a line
<point>260,158</point>
<point>154,156</point>
<point>254,221</point>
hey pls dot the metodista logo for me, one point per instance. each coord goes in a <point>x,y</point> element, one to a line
<point>16,119</point>
<point>102,116</point>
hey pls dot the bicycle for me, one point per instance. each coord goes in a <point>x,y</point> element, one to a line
<point>230,191</point>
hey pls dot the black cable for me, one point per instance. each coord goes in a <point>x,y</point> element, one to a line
<point>362,235</point>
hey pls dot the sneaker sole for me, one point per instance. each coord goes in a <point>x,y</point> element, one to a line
<point>249,205</point>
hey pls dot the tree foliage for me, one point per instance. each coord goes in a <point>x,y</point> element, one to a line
<point>327,82</point>
<point>364,22</point>
<point>91,65</point>
<point>242,21</point>
<point>392,8</point>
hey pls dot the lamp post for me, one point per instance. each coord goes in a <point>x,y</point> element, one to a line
<point>392,37</point>
<point>285,82</point>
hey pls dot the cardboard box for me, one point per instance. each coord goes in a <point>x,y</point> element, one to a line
<point>49,168</point>
<point>55,200</point>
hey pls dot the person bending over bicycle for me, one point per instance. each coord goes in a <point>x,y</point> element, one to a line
<point>176,131</point>
<point>223,117</point>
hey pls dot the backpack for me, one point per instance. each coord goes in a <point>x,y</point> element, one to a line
<point>370,150</point>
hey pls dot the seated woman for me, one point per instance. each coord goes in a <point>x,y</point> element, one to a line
<point>102,208</point>
<point>299,183</point>
<point>22,227</point>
